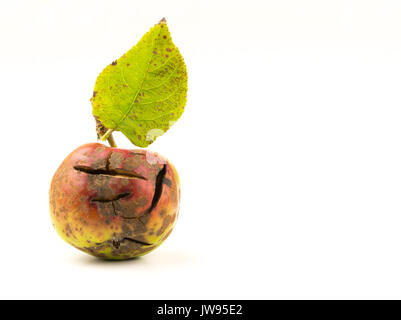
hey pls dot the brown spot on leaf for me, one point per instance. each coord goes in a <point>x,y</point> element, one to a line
<point>114,63</point>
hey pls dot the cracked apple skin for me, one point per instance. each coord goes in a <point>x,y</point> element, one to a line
<point>114,203</point>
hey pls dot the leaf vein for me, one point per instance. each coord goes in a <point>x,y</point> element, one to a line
<point>140,88</point>
<point>164,82</point>
<point>161,100</point>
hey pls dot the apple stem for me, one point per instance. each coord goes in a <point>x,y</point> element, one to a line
<point>100,129</point>
<point>106,135</point>
<point>111,141</point>
<point>109,137</point>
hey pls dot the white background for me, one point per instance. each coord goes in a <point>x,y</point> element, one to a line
<point>288,151</point>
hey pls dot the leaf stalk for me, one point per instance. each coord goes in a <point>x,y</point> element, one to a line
<point>111,141</point>
<point>106,135</point>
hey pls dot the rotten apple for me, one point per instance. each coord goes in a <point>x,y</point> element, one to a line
<point>114,203</point>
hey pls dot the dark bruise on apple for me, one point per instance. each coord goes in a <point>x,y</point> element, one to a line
<point>114,203</point>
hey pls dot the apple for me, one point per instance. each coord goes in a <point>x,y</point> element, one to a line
<point>114,203</point>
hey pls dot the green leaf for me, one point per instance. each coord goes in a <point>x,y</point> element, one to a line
<point>144,92</point>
